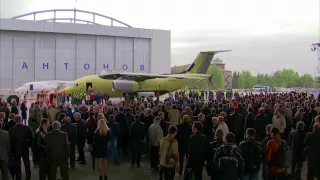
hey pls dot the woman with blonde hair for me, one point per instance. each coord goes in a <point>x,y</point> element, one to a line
<point>100,148</point>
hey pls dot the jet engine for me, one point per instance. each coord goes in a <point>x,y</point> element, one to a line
<point>123,86</point>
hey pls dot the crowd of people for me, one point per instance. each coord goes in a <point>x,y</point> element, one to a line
<point>229,137</point>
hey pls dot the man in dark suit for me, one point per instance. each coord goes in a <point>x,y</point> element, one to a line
<point>313,148</point>
<point>4,154</point>
<point>71,131</point>
<point>20,141</point>
<point>57,150</point>
<point>81,137</point>
<point>198,145</point>
<point>11,123</point>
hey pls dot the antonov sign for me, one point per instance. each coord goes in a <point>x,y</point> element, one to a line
<point>85,66</point>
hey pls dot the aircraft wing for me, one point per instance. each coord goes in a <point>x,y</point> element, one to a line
<point>142,77</point>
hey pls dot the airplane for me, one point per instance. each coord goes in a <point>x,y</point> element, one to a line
<point>137,84</point>
<point>43,86</point>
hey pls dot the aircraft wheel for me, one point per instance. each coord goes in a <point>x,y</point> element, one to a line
<point>12,98</point>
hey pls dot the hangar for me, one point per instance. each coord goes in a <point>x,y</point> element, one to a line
<point>66,48</point>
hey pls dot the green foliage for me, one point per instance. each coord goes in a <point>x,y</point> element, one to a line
<point>217,80</point>
<point>246,80</point>
<point>285,78</point>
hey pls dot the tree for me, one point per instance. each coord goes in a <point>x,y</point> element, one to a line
<point>217,79</point>
<point>246,80</point>
<point>306,80</point>
<point>235,80</point>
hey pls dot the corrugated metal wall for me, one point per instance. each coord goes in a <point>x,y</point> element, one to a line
<point>36,56</point>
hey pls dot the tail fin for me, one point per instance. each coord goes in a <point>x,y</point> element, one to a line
<point>202,62</point>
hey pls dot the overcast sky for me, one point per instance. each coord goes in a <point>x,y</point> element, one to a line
<point>264,35</point>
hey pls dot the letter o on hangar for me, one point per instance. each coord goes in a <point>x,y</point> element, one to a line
<point>86,66</point>
<point>124,67</point>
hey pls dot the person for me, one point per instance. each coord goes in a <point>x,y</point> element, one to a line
<point>4,154</point>
<point>279,121</point>
<point>24,110</point>
<point>71,131</point>
<point>272,153</point>
<point>91,128</point>
<point>122,122</point>
<point>11,123</point>
<point>155,135</point>
<point>100,148</point>
<point>236,123</point>
<point>81,137</point>
<point>251,153</point>
<point>222,125</point>
<point>115,132</point>
<point>21,139</point>
<point>57,150</point>
<point>169,154</point>
<point>137,136</point>
<point>264,145</point>
<point>312,144</point>
<point>2,118</point>
<point>39,139</point>
<point>227,161</point>
<point>212,148</point>
<point>297,144</point>
<point>183,135</point>
<point>174,115</point>
<point>197,152</point>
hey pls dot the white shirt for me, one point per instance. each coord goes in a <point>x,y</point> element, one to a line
<point>224,127</point>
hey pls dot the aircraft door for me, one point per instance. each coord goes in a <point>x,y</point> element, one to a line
<point>88,86</point>
<point>31,87</point>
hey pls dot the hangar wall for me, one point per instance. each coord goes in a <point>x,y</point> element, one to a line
<point>30,51</point>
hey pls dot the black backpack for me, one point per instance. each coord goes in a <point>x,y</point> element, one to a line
<point>284,157</point>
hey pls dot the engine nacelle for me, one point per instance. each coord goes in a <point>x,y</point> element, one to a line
<point>123,86</point>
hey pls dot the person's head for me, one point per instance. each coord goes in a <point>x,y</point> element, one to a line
<point>137,118</point>
<point>150,112</point>
<point>219,133</point>
<point>157,120</point>
<point>317,119</point>
<point>268,128</point>
<point>102,128</point>
<point>61,117</point>
<point>77,116</point>
<point>18,119</point>
<point>161,114</point>
<point>316,127</point>
<point>220,119</point>
<point>67,119</point>
<point>121,109</point>
<point>111,118</point>
<point>215,121</point>
<point>56,125</point>
<point>201,117</point>
<point>186,119</point>
<point>223,114</point>
<point>300,126</point>
<point>197,127</point>
<point>250,133</point>
<point>11,116</point>
<point>172,131</point>
<point>2,116</point>
<point>44,124</point>
<point>101,116</point>
<point>174,106</point>
<point>230,138</point>
<point>275,132</point>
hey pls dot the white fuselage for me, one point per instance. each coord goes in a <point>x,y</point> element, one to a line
<point>43,86</point>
